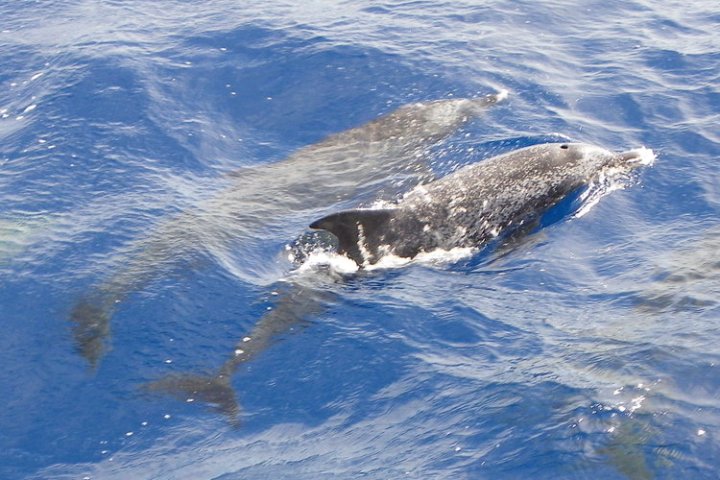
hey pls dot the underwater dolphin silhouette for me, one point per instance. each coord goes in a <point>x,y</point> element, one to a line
<point>345,165</point>
<point>476,203</point>
<point>464,209</point>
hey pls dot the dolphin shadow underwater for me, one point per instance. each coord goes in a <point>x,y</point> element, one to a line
<point>347,165</point>
<point>685,280</point>
<point>501,197</point>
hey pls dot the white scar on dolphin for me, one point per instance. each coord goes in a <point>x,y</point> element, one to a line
<point>345,165</point>
<point>466,209</point>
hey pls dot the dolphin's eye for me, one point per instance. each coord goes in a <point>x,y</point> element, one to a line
<point>564,146</point>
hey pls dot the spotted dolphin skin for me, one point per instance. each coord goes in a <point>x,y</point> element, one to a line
<point>477,203</point>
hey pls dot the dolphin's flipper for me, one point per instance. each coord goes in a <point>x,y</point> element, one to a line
<point>214,391</point>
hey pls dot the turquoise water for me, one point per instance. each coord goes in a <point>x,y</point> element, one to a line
<point>588,349</point>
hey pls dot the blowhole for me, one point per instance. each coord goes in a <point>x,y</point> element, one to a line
<point>564,146</point>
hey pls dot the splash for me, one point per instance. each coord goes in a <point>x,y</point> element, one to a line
<point>612,179</point>
<point>645,156</point>
<point>502,94</point>
<point>437,256</point>
<point>326,260</point>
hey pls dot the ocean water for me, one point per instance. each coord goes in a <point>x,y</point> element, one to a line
<point>131,137</point>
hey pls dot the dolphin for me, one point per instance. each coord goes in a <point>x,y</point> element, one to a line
<point>464,209</point>
<point>477,203</point>
<point>299,298</point>
<point>346,165</point>
<point>684,280</point>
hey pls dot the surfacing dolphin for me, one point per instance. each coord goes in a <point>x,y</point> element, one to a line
<point>467,208</point>
<point>476,203</point>
<point>346,165</point>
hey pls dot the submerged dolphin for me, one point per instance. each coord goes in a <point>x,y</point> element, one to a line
<point>345,165</point>
<point>464,209</point>
<point>476,203</point>
<point>685,280</point>
<point>299,299</point>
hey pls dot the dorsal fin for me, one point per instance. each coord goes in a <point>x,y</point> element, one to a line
<point>359,232</point>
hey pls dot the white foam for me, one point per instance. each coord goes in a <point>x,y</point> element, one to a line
<point>337,264</point>
<point>322,259</point>
<point>441,256</point>
<point>502,95</point>
<point>382,205</point>
<point>645,156</point>
<point>387,262</point>
<point>438,256</point>
<point>597,190</point>
<point>612,179</point>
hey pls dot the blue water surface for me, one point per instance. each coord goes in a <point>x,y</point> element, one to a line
<point>589,349</point>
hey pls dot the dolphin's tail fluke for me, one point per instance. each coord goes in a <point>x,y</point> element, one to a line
<point>214,391</point>
<point>91,329</point>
